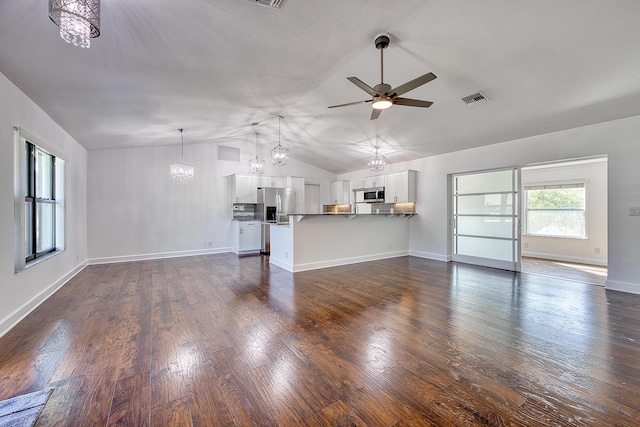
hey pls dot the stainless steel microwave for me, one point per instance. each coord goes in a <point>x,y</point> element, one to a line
<point>374,195</point>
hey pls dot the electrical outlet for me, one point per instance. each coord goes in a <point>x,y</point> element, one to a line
<point>597,250</point>
<point>634,211</point>
<point>526,246</point>
<point>209,243</point>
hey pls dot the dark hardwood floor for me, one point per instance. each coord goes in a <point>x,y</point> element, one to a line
<point>583,273</point>
<point>222,340</point>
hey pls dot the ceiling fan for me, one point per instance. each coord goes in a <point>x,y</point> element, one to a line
<point>383,96</point>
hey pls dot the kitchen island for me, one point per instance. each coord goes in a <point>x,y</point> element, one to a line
<point>315,241</point>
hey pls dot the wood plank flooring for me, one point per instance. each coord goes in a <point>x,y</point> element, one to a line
<point>222,340</point>
<point>584,273</point>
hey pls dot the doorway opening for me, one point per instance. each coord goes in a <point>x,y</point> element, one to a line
<point>564,220</point>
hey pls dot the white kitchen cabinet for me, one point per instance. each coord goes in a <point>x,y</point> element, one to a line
<point>340,193</point>
<point>271,182</point>
<point>297,184</point>
<point>374,181</point>
<point>247,237</point>
<point>243,188</point>
<point>400,187</point>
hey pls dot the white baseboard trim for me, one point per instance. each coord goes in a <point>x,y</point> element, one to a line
<point>615,285</point>
<point>160,255</point>
<point>295,268</point>
<point>579,260</point>
<point>285,264</point>
<point>21,312</point>
<point>429,255</point>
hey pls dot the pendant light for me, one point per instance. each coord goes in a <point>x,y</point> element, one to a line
<point>279,153</point>
<point>377,161</point>
<point>181,172</point>
<point>256,166</point>
<point>79,20</point>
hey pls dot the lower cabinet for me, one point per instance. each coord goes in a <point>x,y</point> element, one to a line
<point>247,237</point>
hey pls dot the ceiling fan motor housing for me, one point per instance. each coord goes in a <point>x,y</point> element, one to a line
<point>382,41</point>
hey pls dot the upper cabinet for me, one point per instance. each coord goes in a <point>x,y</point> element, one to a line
<point>242,188</point>
<point>271,182</point>
<point>400,187</point>
<point>340,193</point>
<point>297,184</point>
<point>374,181</point>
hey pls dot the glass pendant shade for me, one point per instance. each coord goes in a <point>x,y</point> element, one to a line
<point>256,166</point>
<point>279,153</point>
<point>377,161</point>
<point>279,156</point>
<point>181,172</point>
<point>79,20</point>
<point>382,103</point>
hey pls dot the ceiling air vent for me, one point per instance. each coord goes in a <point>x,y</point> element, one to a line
<point>275,4</point>
<point>475,99</point>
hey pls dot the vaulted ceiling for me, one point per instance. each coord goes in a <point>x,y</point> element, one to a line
<point>214,67</point>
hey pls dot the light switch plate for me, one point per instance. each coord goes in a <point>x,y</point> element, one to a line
<point>634,211</point>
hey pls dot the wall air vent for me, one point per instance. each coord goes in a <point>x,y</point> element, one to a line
<point>475,99</point>
<point>231,154</point>
<point>275,4</point>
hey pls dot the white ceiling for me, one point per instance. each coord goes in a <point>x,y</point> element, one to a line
<point>215,66</point>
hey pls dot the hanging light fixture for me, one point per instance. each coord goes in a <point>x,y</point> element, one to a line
<point>256,166</point>
<point>279,153</point>
<point>377,161</point>
<point>181,172</point>
<point>79,20</point>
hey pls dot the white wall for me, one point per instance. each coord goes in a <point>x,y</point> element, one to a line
<point>136,212</point>
<point>21,292</point>
<point>618,139</point>
<point>593,249</point>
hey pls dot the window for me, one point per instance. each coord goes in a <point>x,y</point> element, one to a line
<point>556,210</point>
<point>39,202</point>
<point>39,194</point>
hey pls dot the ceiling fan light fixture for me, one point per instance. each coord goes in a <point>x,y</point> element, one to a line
<point>382,103</point>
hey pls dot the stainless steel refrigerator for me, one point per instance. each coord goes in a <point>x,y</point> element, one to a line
<point>274,206</point>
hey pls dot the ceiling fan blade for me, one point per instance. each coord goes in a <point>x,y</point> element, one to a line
<point>362,85</point>
<point>426,78</point>
<point>375,113</point>
<point>412,102</point>
<point>349,103</point>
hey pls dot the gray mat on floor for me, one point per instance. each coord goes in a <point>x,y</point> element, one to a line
<point>23,411</point>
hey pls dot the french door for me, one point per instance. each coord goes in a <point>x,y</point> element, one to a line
<point>485,218</point>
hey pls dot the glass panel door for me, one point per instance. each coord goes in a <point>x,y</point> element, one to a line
<point>485,218</point>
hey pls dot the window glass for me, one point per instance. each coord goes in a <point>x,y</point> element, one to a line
<point>556,211</point>
<point>44,175</point>
<point>40,203</point>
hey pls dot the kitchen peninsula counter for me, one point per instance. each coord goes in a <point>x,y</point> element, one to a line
<point>313,241</point>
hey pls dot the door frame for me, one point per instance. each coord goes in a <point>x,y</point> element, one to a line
<point>516,223</point>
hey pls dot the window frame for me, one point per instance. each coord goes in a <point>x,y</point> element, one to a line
<point>58,192</point>
<point>554,186</point>
<point>32,175</point>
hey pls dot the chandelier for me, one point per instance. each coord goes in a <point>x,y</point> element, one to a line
<point>181,172</point>
<point>256,166</point>
<point>79,20</point>
<point>279,153</point>
<point>377,161</point>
